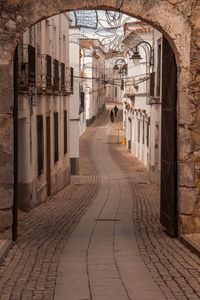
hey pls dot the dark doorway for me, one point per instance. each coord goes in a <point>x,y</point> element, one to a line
<point>168,188</point>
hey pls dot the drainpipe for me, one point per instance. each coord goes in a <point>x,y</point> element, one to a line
<point>15,133</point>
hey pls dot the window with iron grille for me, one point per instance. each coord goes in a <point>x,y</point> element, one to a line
<point>158,69</point>
<point>40,144</point>
<point>65,130</point>
<point>56,155</point>
<point>31,65</point>
<point>62,76</point>
<point>48,71</point>
<point>56,74</point>
<point>26,66</point>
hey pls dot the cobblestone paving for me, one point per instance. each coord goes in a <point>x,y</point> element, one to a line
<point>174,268</point>
<point>29,270</point>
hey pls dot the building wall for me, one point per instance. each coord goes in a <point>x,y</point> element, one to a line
<point>48,37</point>
<point>93,73</point>
<point>113,87</point>
<point>77,112</point>
<point>155,128</point>
<point>137,116</point>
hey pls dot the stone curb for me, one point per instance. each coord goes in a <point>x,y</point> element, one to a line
<point>4,248</point>
<point>187,242</point>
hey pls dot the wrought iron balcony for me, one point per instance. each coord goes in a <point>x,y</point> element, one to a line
<point>26,67</point>
<point>55,73</point>
<point>69,80</point>
<point>44,73</point>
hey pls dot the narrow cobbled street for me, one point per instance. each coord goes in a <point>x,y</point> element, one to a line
<point>100,238</point>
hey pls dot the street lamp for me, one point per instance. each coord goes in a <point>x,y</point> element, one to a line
<point>135,56</point>
<point>121,66</point>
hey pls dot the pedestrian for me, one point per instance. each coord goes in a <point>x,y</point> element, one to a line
<point>116,109</point>
<point>111,116</point>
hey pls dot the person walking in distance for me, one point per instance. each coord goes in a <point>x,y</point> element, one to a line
<point>116,110</point>
<point>112,116</point>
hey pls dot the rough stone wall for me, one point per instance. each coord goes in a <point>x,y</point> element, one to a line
<point>171,17</point>
<point>190,137</point>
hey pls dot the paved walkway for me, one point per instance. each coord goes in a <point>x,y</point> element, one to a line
<point>100,238</point>
<point>101,259</point>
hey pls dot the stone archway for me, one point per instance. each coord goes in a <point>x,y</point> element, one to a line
<point>177,20</point>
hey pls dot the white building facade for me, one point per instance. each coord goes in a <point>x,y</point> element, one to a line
<point>77,113</point>
<point>114,84</point>
<point>142,111</point>
<point>44,84</point>
<point>93,77</point>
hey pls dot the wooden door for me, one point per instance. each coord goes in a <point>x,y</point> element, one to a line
<point>168,191</point>
<point>48,155</point>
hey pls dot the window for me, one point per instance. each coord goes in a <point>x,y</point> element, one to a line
<point>55,136</point>
<point>147,136</point>
<point>158,69</point>
<point>65,130</point>
<point>115,91</point>
<point>40,146</point>
<point>152,83</point>
<point>138,130</point>
<point>143,129</point>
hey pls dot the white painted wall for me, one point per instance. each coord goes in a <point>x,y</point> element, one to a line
<point>51,37</point>
<point>74,61</point>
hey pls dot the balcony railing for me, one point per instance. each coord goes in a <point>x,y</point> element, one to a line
<point>55,76</point>
<point>62,77</point>
<point>44,72</point>
<point>69,80</point>
<point>26,66</point>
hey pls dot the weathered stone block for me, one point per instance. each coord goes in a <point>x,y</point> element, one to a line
<point>6,136</point>
<point>186,144</point>
<point>6,175</point>
<point>189,224</point>
<point>5,219</point>
<point>6,198</point>
<point>196,136</point>
<point>187,174</point>
<point>14,2</point>
<point>6,88</point>
<point>186,109</point>
<point>188,198</point>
